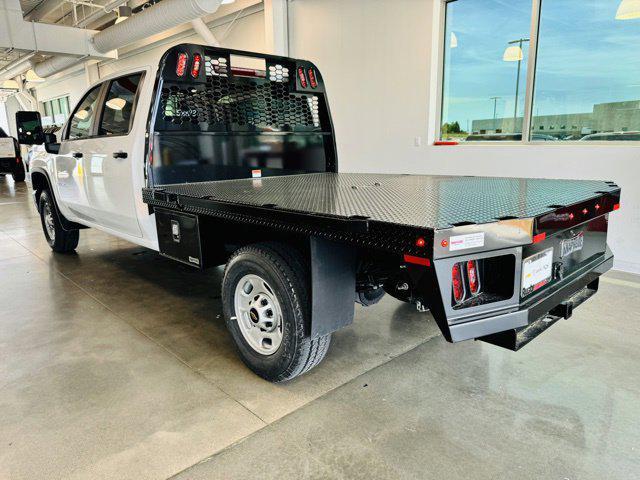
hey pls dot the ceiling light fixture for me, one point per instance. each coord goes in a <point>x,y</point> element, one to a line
<point>33,77</point>
<point>124,12</point>
<point>10,85</point>
<point>116,103</point>
<point>628,10</point>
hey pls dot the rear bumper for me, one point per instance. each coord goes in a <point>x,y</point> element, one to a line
<point>516,328</point>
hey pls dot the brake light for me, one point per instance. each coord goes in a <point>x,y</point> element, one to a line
<point>474,277</point>
<point>303,77</point>
<point>181,65</point>
<point>458,283</point>
<point>197,63</point>
<point>420,242</point>
<point>312,78</point>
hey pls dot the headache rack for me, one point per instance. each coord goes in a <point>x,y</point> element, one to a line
<point>216,119</point>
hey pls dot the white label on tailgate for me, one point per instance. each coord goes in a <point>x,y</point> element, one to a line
<point>462,242</point>
<point>536,271</point>
<point>7,150</point>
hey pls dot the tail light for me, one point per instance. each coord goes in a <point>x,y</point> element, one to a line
<point>197,63</point>
<point>181,65</point>
<point>312,78</point>
<point>303,77</point>
<point>477,282</point>
<point>458,284</point>
<point>474,277</point>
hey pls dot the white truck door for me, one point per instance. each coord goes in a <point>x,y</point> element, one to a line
<point>108,167</point>
<point>75,146</point>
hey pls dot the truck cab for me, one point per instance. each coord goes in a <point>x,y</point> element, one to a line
<point>96,170</point>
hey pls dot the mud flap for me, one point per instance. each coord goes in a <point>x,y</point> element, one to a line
<point>333,286</point>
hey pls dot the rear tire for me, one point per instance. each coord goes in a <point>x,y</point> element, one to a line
<point>266,302</point>
<point>20,175</point>
<point>59,239</point>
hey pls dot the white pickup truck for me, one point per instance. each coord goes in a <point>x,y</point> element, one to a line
<point>212,162</point>
<point>10,159</point>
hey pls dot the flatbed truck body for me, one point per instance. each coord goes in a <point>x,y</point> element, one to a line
<point>239,166</point>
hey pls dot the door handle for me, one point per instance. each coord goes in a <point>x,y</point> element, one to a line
<point>120,155</point>
<point>77,155</point>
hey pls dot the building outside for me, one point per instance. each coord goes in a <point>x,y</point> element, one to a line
<point>605,117</point>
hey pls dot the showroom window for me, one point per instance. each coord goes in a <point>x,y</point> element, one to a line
<point>56,111</point>
<point>489,94</point>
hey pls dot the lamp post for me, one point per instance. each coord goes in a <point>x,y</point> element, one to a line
<point>495,105</point>
<point>513,53</point>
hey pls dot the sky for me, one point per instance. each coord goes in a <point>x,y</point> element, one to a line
<point>585,57</point>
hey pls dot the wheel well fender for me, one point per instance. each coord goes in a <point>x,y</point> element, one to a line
<point>39,182</point>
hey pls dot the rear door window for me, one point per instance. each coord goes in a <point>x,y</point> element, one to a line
<point>83,117</point>
<point>118,108</point>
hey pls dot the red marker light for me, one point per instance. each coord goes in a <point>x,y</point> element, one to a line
<point>571,215</point>
<point>597,206</point>
<point>540,237</point>
<point>181,66</point>
<point>444,244</point>
<point>616,206</point>
<point>197,63</point>
<point>425,262</point>
<point>420,242</point>
<point>585,211</point>
<point>312,78</point>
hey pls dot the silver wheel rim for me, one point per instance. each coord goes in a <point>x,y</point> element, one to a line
<point>49,224</point>
<point>258,314</point>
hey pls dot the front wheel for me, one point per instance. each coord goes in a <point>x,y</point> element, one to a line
<point>59,239</point>
<point>266,301</point>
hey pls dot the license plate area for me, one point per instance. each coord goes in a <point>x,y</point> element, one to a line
<point>537,271</point>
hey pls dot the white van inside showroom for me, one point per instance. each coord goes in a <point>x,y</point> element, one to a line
<point>319,239</point>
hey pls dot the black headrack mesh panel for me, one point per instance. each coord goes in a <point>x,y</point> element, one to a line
<point>228,102</point>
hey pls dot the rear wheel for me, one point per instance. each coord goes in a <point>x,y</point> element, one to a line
<point>19,175</point>
<point>266,302</point>
<point>59,239</point>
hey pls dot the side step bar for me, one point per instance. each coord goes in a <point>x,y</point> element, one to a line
<point>517,338</point>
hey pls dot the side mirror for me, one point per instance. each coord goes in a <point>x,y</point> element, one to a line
<point>29,126</point>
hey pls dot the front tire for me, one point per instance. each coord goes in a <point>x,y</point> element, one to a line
<point>59,239</point>
<point>266,302</point>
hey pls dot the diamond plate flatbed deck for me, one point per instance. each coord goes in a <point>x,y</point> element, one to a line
<point>433,202</point>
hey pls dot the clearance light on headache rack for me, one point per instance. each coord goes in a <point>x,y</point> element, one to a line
<point>616,206</point>
<point>181,65</point>
<point>420,242</point>
<point>303,77</point>
<point>312,78</point>
<point>197,63</point>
